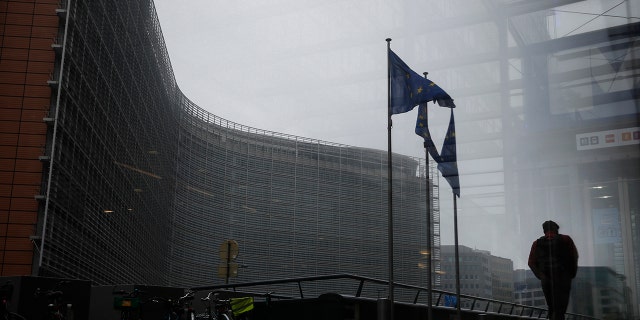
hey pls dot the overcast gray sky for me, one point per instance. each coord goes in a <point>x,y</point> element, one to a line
<point>317,69</point>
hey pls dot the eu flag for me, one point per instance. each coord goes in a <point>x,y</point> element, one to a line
<point>448,164</point>
<point>408,88</point>
<point>422,129</point>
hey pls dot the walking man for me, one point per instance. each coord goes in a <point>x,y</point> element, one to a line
<point>554,260</point>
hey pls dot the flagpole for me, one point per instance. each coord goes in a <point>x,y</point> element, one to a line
<point>390,185</point>
<point>457,255</point>
<point>429,242</point>
<point>429,239</point>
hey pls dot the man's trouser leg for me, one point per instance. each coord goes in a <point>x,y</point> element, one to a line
<point>562,291</point>
<point>547,289</point>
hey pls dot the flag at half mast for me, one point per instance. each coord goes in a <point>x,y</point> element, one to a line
<point>408,89</point>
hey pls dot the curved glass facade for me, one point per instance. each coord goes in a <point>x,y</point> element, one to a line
<point>296,206</point>
<point>140,185</point>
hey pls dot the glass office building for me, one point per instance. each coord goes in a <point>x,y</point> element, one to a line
<point>131,182</point>
<point>296,206</point>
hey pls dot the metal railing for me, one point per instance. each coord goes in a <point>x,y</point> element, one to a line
<point>472,303</point>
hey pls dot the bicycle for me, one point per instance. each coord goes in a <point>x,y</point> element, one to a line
<point>221,308</point>
<point>133,307</point>
<point>6,292</point>
<point>183,309</point>
<point>57,309</point>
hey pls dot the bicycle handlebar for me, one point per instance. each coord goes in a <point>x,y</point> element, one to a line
<point>214,298</point>
<point>187,297</point>
<point>207,298</point>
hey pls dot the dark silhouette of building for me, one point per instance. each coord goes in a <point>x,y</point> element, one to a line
<point>527,289</point>
<point>601,293</point>
<point>481,274</point>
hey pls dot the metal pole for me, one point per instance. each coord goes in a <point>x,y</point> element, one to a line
<point>429,236</point>
<point>457,255</point>
<point>429,240</point>
<point>390,186</point>
<point>52,155</point>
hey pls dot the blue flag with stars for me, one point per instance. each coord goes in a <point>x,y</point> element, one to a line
<point>448,160</point>
<point>408,89</point>
<point>448,164</point>
<point>422,129</point>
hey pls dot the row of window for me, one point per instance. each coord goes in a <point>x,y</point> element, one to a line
<point>146,185</point>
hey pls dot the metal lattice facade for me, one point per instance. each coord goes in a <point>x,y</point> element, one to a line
<point>296,206</point>
<point>107,211</point>
<point>140,185</point>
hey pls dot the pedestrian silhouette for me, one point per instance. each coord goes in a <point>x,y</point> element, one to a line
<point>554,260</point>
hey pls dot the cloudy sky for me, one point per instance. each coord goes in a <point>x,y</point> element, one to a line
<point>317,69</point>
